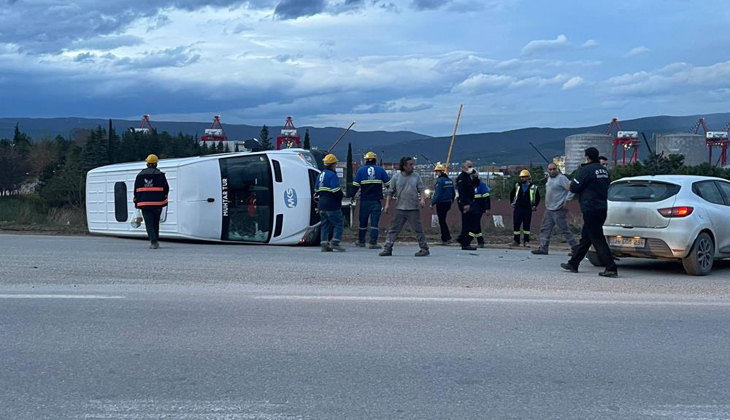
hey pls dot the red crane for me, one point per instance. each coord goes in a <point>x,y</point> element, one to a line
<point>627,140</point>
<point>215,133</point>
<point>700,123</point>
<point>289,137</point>
<point>145,127</point>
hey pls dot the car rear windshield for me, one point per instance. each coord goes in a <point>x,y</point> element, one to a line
<point>641,191</point>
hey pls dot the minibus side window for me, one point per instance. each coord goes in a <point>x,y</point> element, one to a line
<point>120,202</point>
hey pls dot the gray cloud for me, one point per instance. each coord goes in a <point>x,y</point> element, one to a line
<point>84,57</point>
<point>429,4</point>
<point>58,24</point>
<point>171,57</point>
<point>292,9</point>
<point>388,107</point>
<point>109,42</point>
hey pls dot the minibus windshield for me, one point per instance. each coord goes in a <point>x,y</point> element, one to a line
<point>247,198</point>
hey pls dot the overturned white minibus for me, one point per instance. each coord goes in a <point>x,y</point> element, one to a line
<point>256,197</point>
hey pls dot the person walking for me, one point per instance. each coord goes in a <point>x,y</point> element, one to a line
<point>327,188</point>
<point>525,198</point>
<point>407,187</point>
<point>556,199</point>
<point>483,203</point>
<point>150,196</point>
<point>370,180</point>
<point>443,198</point>
<point>465,187</point>
<point>591,186</point>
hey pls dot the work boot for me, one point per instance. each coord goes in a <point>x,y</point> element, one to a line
<point>568,267</point>
<point>337,247</point>
<point>387,252</point>
<point>539,252</point>
<point>515,244</point>
<point>609,273</point>
<point>423,252</point>
<point>152,246</point>
<point>374,246</point>
<point>326,248</point>
<point>480,245</point>
<point>155,245</point>
<point>360,244</point>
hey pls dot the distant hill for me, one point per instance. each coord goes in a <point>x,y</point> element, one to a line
<point>512,147</point>
<point>321,138</point>
<point>508,147</point>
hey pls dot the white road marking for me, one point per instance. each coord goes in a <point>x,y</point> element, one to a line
<point>31,296</point>
<point>489,300</point>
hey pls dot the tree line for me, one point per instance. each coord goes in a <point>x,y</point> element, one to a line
<point>55,168</point>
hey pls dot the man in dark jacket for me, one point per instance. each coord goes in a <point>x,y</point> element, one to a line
<point>442,199</point>
<point>483,202</point>
<point>465,187</point>
<point>591,186</point>
<point>525,198</point>
<point>150,196</point>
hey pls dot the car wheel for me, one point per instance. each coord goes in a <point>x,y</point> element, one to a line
<point>593,259</point>
<point>700,258</point>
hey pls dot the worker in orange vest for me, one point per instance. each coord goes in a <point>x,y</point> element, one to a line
<point>150,196</point>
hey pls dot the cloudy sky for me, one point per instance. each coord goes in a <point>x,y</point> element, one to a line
<point>389,64</point>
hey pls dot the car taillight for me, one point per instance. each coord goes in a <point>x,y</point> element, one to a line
<point>676,211</point>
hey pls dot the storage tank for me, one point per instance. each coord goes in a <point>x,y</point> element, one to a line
<point>692,146</point>
<point>576,145</point>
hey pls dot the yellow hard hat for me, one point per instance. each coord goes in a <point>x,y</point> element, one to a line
<point>152,159</point>
<point>525,172</point>
<point>439,167</point>
<point>330,159</point>
<point>370,155</point>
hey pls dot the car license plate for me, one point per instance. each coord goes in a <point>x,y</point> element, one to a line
<point>627,241</point>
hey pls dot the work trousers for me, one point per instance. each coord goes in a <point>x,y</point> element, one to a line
<point>413,217</point>
<point>552,218</point>
<point>369,211</point>
<point>592,234</point>
<point>468,226</point>
<point>442,209</point>
<point>151,216</point>
<point>331,221</point>
<point>522,219</point>
<point>478,228</point>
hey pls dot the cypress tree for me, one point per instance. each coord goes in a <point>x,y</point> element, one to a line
<point>307,144</point>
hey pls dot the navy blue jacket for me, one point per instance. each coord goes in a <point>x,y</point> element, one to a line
<point>482,197</point>
<point>328,189</point>
<point>445,192</point>
<point>370,179</point>
<point>591,186</point>
<point>150,189</point>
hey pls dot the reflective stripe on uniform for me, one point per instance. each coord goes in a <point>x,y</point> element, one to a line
<point>151,203</point>
<point>144,189</point>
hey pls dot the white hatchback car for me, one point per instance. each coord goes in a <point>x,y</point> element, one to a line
<point>674,217</point>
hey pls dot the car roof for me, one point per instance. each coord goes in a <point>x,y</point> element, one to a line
<point>677,179</point>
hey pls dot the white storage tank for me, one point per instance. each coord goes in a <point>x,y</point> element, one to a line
<point>692,146</point>
<point>576,145</point>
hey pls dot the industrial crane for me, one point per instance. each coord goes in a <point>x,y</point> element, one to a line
<point>145,127</point>
<point>627,140</point>
<point>714,139</point>
<point>289,137</point>
<point>215,133</point>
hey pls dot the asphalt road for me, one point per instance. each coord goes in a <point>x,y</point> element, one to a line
<point>89,331</point>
